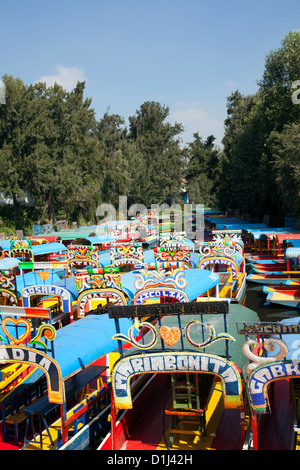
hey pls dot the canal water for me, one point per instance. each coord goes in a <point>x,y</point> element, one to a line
<point>256,300</point>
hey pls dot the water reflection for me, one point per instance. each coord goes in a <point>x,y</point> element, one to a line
<point>256,300</point>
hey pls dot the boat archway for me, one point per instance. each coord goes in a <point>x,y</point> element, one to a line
<point>80,263</point>
<point>47,290</point>
<point>220,261</point>
<point>22,354</point>
<point>176,362</point>
<point>88,295</point>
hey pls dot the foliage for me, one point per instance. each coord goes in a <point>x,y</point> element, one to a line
<point>261,147</point>
<point>203,170</point>
<point>58,161</point>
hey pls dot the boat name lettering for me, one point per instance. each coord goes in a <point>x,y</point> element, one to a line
<point>85,296</point>
<point>19,354</point>
<point>216,261</point>
<point>176,362</point>
<point>48,290</point>
<point>260,378</point>
<point>159,293</point>
<point>27,355</point>
<point>271,328</point>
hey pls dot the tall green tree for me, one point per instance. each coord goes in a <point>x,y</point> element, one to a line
<point>202,172</point>
<point>250,166</point>
<point>111,133</point>
<point>20,118</point>
<point>158,177</point>
<point>286,152</point>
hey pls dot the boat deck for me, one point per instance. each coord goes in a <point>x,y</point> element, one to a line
<point>147,433</point>
<point>275,430</point>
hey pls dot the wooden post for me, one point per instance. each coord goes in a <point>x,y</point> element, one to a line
<point>64,429</point>
<point>112,420</point>
<point>254,431</point>
<point>242,427</point>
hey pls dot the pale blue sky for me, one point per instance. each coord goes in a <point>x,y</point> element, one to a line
<point>186,54</point>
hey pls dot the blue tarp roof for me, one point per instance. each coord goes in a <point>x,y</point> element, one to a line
<point>9,263</point>
<point>233,223</point>
<point>78,344</point>
<point>104,259</point>
<point>32,278</point>
<point>262,233</point>
<point>45,248</point>
<point>198,282</point>
<point>239,226</point>
<point>5,244</point>
<point>295,243</point>
<point>85,340</point>
<point>194,259</point>
<point>40,249</point>
<point>69,284</point>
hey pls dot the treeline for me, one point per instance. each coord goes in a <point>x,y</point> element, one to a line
<point>57,161</point>
<point>261,158</point>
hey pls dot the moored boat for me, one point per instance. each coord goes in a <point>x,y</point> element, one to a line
<point>288,297</point>
<point>272,384</point>
<point>187,402</point>
<point>42,414</point>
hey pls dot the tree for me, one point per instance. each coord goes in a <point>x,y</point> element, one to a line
<point>202,170</point>
<point>48,148</point>
<point>161,164</point>
<point>111,133</point>
<point>286,153</point>
<point>250,166</point>
<point>19,120</point>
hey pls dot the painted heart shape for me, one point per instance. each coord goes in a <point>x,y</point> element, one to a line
<point>170,335</point>
<point>16,322</point>
<point>44,275</point>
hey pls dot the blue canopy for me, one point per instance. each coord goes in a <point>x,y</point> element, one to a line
<point>262,233</point>
<point>69,284</point>
<point>104,259</point>
<point>32,279</point>
<point>8,263</point>
<point>46,248</point>
<point>198,282</point>
<point>292,340</point>
<point>82,342</point>
<point>5,244</point>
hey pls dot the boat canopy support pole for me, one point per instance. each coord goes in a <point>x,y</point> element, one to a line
<point>63,416</point>
<point>113,421</point>
<point>254,431</point>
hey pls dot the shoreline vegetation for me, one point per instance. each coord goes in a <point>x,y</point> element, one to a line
<point>57,161</point>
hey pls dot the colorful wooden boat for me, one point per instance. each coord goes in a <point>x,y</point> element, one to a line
<point>265,262</point>
<point>265,259</point>
<point>224,256</point>
<point>25,250</point>
<point>268,266</point>
<point>288,297</point>
<point>272,384</point>
<point>274,279</point>
<point>275,269</point>
<point>286,288</point>
<point>188,402</point>
<point>75,362</point>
